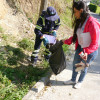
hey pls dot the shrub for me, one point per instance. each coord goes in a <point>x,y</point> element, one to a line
<point>94,8</point>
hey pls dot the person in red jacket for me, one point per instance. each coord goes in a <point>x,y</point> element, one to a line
<point>86,39</point>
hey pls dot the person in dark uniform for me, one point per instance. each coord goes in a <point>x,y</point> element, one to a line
<point>48,23</point>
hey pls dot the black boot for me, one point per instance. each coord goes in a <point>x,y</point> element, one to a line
<point>34,57</point>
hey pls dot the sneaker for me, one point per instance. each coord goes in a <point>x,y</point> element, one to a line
<point>78,85</point>
<point>70,82</point>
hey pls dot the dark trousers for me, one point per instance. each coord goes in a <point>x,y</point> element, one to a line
<point>37,45</point>
<point>38,42</point>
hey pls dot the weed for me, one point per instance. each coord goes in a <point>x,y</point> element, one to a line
<point>26,44</point>
<point>4,36</point>
<point>30,19</point>
<point>65,48</point>
<point>3,60</point>
<point>67,19</point>
<point>15,81</point>
<point>1,30</point>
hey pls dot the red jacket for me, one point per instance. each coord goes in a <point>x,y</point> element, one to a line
<point>92,26</point>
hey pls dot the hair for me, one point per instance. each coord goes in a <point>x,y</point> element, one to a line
<point>76,22</point>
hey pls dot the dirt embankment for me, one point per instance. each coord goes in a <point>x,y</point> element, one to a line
<point>14,18</point>
<point>14,23</point>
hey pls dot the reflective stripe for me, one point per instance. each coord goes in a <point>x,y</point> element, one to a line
<point>47,50</point>
<point>43,19</point>
<point>38,27</point>
<point>36,50</point>
<point>45,53</point>
<point>34,55</point>
<point>56,22</point>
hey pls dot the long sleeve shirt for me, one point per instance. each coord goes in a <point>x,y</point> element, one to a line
<point>93,27</point>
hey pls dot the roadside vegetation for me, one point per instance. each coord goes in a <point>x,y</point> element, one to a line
<point>94,8</point>
<point>16,75</point>
<point>1,30</point>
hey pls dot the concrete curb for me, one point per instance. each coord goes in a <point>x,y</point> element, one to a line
<point>38,87</point>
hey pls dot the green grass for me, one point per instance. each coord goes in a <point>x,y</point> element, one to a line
<point>65,48</point>
<point>26,44</point>
<point>66,18</point>
<point>98,10</point>
<point>1,30</point>
<point>4,36</point>
<point>14,83</point>
<point>16,78</point>
<point>30,19</point>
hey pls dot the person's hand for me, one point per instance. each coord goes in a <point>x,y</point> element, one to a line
<point>84,57</point>
<point>54,33</point>
<point>63,41</point>
<point>45,40</point>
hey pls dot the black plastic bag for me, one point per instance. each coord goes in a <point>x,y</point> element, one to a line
<point>57,59</point>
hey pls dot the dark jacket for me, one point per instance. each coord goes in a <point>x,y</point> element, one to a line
<point>45,26</point>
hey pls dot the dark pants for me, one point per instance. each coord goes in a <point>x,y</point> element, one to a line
<point>38,42</point>
<point>37,45</point>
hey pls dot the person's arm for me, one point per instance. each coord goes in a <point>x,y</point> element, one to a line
<point>38,27</point>
<point>68,41</point>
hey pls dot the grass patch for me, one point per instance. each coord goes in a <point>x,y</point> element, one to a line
<point>4,36</point>
<point>30,19</point>
<point>14,83</point>
<point>26,44</point>
<point>1,30</point>
<point>16,78</point>
<point>65,48</point>
<point>66,18</point>
<point>11,56</point>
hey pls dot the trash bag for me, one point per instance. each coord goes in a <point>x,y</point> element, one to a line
<point>57,59</point>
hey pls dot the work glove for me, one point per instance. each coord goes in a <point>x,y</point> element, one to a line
<point>54,33</point>
<point>45,40</point>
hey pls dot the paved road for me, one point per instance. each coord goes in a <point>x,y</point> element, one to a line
<point>95,68</point>
<point>90,88</point>
<point>95,15</point>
